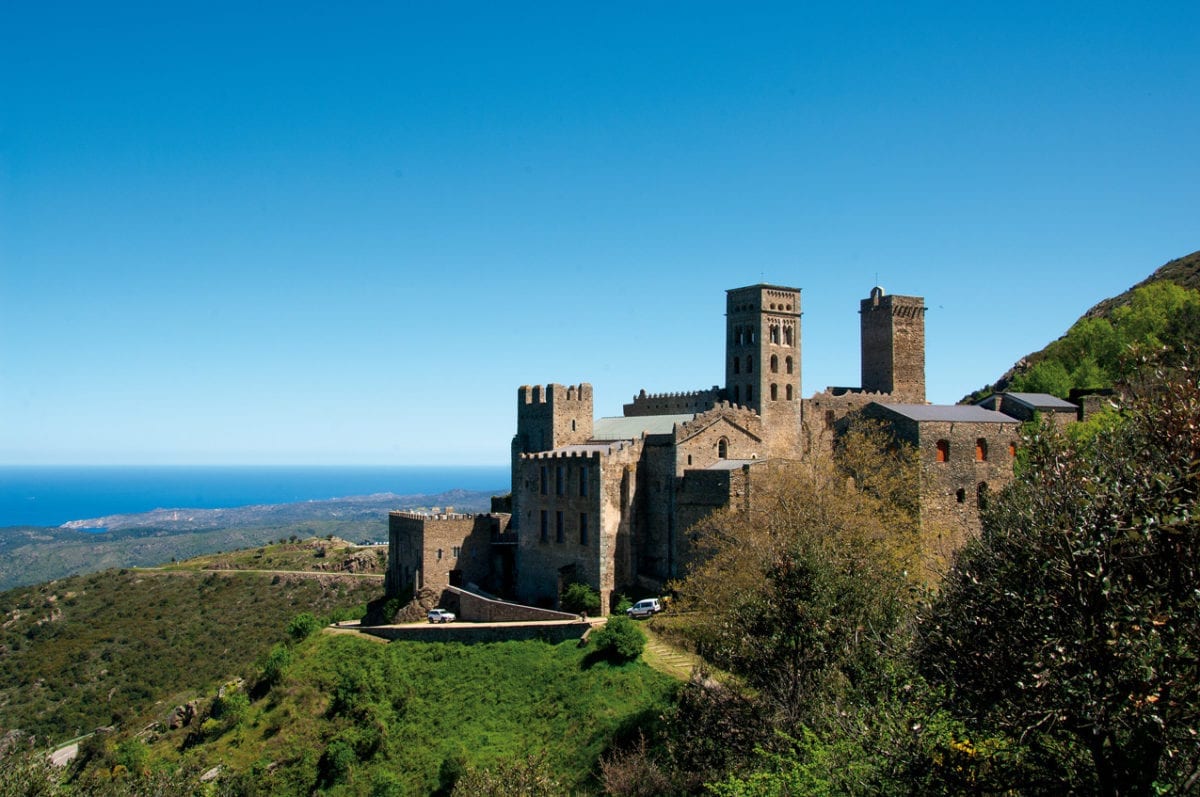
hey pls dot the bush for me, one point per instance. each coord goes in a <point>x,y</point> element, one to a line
<point>303,626</point>
<point>580,598</point>
<point>622,604</point>
<point>273,666</point>
<point>620,639</point>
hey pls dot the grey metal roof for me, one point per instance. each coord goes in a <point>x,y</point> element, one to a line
<point>953,413</point>
<point>1042,401</point>
<point>632,428</point>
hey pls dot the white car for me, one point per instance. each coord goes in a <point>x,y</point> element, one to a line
<point>644,608</point>
<point>441,616</point>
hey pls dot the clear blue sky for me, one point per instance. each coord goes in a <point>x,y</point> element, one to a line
<point>346,232</point>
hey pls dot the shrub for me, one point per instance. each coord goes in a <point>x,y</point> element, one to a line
<point>273,666</point>
<point>622,604</point>
<point>620,639</point>
<point>580,598</point>
<point>303,626</point>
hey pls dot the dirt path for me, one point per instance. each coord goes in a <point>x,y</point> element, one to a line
<point>305,573</point>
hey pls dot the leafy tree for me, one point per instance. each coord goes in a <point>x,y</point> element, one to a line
<point>580,598</point>
<point>1074,621</point>
<point>800,593</point>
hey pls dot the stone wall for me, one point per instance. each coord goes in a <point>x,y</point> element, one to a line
<point>437,550</point>
<point>548,560</point>
<point>474,608</point>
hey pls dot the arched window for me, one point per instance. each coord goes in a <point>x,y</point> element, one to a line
<point>723,448</point>
<point>1012,449</point>
<point>787,364</point>
<point>774,364</point>
<point>787,336</point>
<point>749,393</point>
<point>980,450</point>
<point>774,331</point>
<point>737,396</point>
<point>737,365</point>
<point>750,335</point>
<point>788,392</point>
<point>774,392</point>
<point>961,495</point>
<point>943,450</point>
<point>749,363</point>
<point>738,337</point>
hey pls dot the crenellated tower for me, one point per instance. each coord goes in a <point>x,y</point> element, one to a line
<point>762,358</point>
<point>893,345</point>
<point>548,417</point>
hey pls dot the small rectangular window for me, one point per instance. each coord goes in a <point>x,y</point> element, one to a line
<point>545,481</point>
<point>583,528</point>
<point>545,526</point>
<point>560,481</point>
<point>558,526</point>
<point>583,480</point>
<point>457,551</point>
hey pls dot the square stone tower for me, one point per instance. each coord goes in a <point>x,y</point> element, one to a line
<point>762,359</point>
<point>893,345</point>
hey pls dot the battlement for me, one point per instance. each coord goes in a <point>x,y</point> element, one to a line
<point>435,516</point>
<point>672,403</point>
<point>592,454</point>
<point>554,393</point>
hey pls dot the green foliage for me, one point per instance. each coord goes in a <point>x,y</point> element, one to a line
<point>580,598</point>
<point>85,651</point>
<point>529,776</point>
<point>231,708</point>
<point>352,714</point>
<point>1074,622</point>
<point>303,626</point>
<point>621,604</point>
<point>1097,352</point>
<point>619,640</point>
<point>798,595</point>
<point>272,666</point>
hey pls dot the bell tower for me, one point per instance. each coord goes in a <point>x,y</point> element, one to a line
<point>893,345</point>
<point>762,358</point>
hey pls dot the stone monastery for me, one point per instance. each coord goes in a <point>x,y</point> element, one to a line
<point>608,501</point>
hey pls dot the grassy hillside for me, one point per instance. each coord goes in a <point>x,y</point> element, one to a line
<point>358,717</point>
<point>99,649</point>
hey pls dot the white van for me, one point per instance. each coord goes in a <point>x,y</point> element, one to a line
<point>644,608</point>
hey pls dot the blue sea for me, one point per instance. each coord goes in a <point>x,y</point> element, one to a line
<point>53,495</point>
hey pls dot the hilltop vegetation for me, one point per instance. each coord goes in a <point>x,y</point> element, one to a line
<point>97,650</point>
<point>1109,344</point>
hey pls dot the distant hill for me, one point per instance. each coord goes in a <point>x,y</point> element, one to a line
<point>1145,313</point>
<point>29,555</point>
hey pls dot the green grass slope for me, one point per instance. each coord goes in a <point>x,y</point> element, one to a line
<point>352,716</point>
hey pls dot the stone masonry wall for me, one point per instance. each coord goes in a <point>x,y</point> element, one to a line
<point>427,549</point>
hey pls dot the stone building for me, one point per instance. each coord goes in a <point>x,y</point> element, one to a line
<point>608,501</point>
